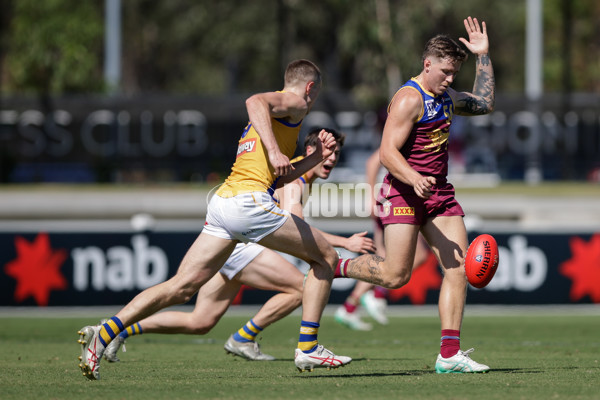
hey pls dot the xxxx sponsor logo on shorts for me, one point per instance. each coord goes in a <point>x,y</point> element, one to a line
<point>404,211</point>
<point>247,146</point>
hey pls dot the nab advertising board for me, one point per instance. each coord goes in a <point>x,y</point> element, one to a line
<point>80,268</point>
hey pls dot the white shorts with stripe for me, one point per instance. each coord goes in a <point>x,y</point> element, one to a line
<point>247,217</point>
<point>242,255</point>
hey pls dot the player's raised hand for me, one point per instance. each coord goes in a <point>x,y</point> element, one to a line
<point>326,144</point>
<point>478,42</point>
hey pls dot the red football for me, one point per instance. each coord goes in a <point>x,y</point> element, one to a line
<point>482,260</point>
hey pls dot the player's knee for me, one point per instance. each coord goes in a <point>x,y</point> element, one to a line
<point>201,326</point>
<point>455,276</point>
<point>331,258</point>
<point>396,280</point>
<point>324,267</point>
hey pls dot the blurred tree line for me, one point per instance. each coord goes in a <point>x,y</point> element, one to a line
<point>367,48</point>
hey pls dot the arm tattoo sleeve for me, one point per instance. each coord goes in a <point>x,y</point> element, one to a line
<point>484,89</point>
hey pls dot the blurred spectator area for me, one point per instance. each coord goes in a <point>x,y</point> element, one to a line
<point>193,139</point>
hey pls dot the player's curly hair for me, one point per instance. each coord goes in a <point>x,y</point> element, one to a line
<point>443,46</point>
<point>313,135</point>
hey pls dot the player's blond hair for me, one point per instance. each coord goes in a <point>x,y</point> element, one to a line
<point>302,71</point>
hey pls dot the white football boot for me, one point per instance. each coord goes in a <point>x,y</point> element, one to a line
<point>319,358</point>
<point>91,351</point>
<point>461,362</point>
<point>376,307</point>
<point>110,354</point>
<point>351,320</point>
<point>248,350</point>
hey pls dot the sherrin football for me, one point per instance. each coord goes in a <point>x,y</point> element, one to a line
<point>481,261</point>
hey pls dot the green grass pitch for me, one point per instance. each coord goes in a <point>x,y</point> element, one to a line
<point>532,357</point>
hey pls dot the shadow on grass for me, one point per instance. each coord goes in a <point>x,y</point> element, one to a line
<point>517,370</point>
<point>371,375</point>
<point>422,372</point>
<point>355,360</point>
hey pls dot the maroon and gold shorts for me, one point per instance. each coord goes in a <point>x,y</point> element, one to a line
<point>408,208</point>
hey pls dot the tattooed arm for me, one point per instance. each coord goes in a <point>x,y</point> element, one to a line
<point>481,101</point>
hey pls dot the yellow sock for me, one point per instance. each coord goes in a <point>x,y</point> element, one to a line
<point>308,336</point>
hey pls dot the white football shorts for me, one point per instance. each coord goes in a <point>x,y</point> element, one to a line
<point>242,255</point>
<point>247,217</point>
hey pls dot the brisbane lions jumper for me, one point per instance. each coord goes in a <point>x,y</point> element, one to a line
<point>426,151</point>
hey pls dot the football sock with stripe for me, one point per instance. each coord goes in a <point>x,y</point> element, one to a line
<point>308,336</point>
<point>247,333</point>
<point>110,329</point>
<point>450,344</point>
<point>340,270</point>
<point>132,330</point>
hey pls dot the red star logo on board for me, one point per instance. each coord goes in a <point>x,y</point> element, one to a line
<point>583,268</point>
<point>425,277</point>
<point>36,269</point>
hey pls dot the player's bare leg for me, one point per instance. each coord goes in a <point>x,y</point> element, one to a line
<point>298,239</point>
<point>267,271</point>
<point>204,258</point>
<point>395,270</point>
<point>361,288</point>
<point>270,271</point>
<point>451,254</point>
<point>214,298</point>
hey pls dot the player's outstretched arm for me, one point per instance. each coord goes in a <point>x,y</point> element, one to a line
<point>325,146</point>
<point>482,100</point>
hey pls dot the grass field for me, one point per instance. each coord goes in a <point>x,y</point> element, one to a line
<point>532,357</point>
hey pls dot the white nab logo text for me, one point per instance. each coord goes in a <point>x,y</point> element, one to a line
<point>120,267</point>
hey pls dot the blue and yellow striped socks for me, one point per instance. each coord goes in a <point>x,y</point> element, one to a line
<point>308,336</point>
<point>110,329</point>
<point>247,333</point>
<point>132,330</point>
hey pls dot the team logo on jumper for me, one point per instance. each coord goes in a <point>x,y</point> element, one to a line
<point>247,146</point>
<point>404,211</point>
<point>430,108</point>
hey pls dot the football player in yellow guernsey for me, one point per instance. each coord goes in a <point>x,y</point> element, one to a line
<point>243,211</point>
<point>256,266</point>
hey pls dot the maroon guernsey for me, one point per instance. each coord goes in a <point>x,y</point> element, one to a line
<point>426,149</point>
